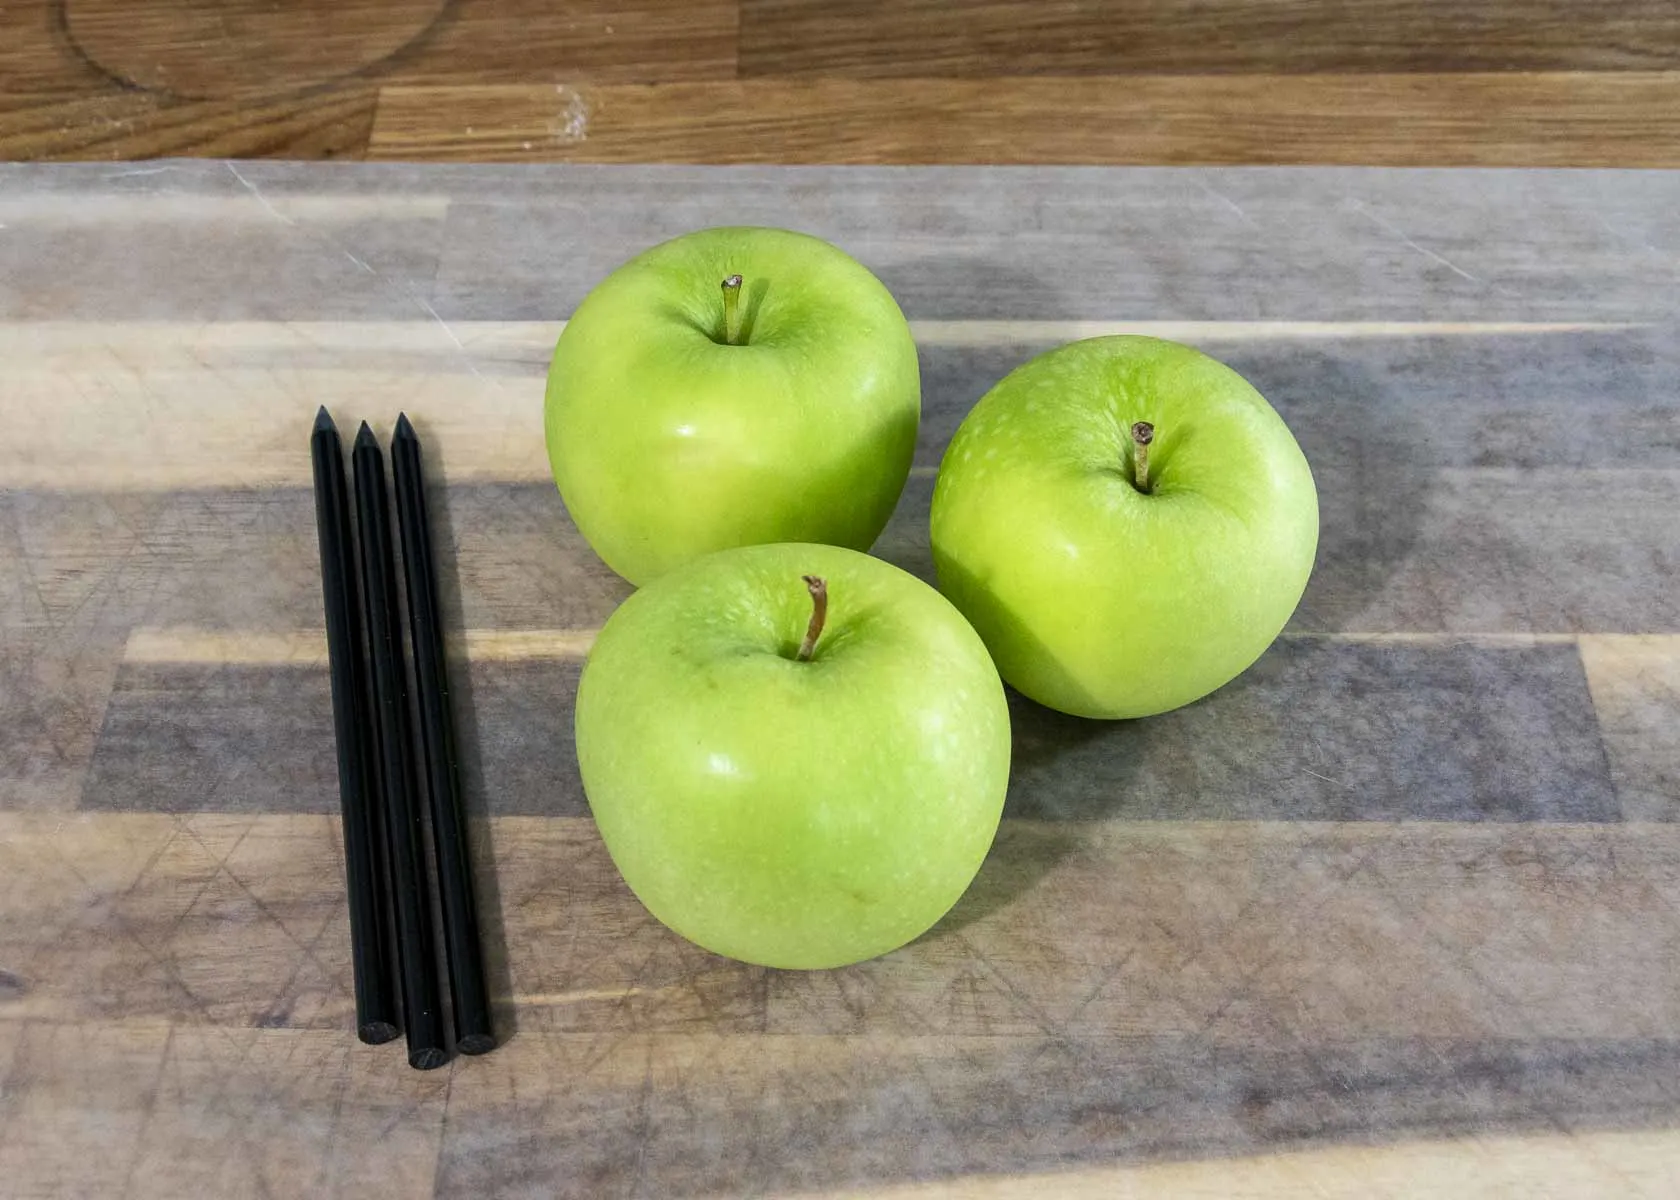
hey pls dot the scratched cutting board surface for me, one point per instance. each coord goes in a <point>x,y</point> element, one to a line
<point>1395,912</point>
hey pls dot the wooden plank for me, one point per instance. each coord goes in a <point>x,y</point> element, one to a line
<point>1323,729</point>
<point>149,937</point>
<point>1072,244</point>
<point>1474,1168</point>
<point>1488,395</point>
<point>544,41</point>
<point>699,1115</point>
<point>206,230</point>
<point>110,125</point>
<point>1273,37</point>
<point>1224,933</point>
<point>1276,935</point>
<point>246,391</point>
<point>1517,119</point>
<point>1055,244</point>
<point>1445,729</point>
<point>191,647</point>
<point>1358,394</point>
<point>239,87</point>
<point>179,1110</point>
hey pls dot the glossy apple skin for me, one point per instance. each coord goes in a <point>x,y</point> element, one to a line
<point>794,814</point>
<point>668,443</point>
<point>1093,597</point>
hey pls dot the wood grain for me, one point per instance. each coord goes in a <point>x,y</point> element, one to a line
<point>252,48</point>
<point>1450,728</point>
<point>266,242</point>
<point>155,1110</point>
<point>485,379</point>
<point>997,38</point>
<point>183,50</point>
<point>545,41</point>
<point>1395,908</point>
<point>708,1116</point>
<point>1519,119</point>
<point>1232,933</point>
<point>176,1110</point>
<point>115,125</point>
<point>1462,978</point>
<point>36,56</point>
<point>1535,82</point>
<point>1474,1168</point>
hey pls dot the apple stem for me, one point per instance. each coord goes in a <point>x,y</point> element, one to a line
<point>1142,434</point>
<point>818,587</point>
<point>732,310</point>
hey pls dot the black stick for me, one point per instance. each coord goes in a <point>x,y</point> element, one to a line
<point>473,1034</point>
<point>376,996</point>
<point>415,954</point>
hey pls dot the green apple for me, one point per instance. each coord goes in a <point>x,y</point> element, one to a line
<point>727,388</point>
<point>1101,597</point>
<point>789,771</point>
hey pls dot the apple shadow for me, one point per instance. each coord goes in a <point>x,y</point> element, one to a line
<point>1039,738</point>
<point>1371,456</point>
<point>954,377</point>
<point>1032,838</point>
<point>1370,447</point>
<point>956,287</point>
<point>1368,440</point>
<point>1019,858</point>
<point>469,760</point>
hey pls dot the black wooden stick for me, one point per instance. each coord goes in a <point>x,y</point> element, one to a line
<point>422,1018</point>
<point>376,995</point>
<point>470,996</point>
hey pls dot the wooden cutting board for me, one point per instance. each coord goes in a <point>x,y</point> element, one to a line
<point>1395,912</point>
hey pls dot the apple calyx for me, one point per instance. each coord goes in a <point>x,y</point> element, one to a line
<point>1142,434</point>
<point>732,311</point>
<point>818,587</point>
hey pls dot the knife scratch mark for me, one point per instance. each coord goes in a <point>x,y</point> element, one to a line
<point>1392,228</point>
<point>256,194</point>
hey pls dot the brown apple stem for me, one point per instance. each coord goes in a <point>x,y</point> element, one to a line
<point>732,310</point>
<point>818,587</point>
<point>1142,434</point>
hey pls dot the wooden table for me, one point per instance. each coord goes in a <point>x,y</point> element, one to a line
<point>1395,912</point>
<point>1537,83</point>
